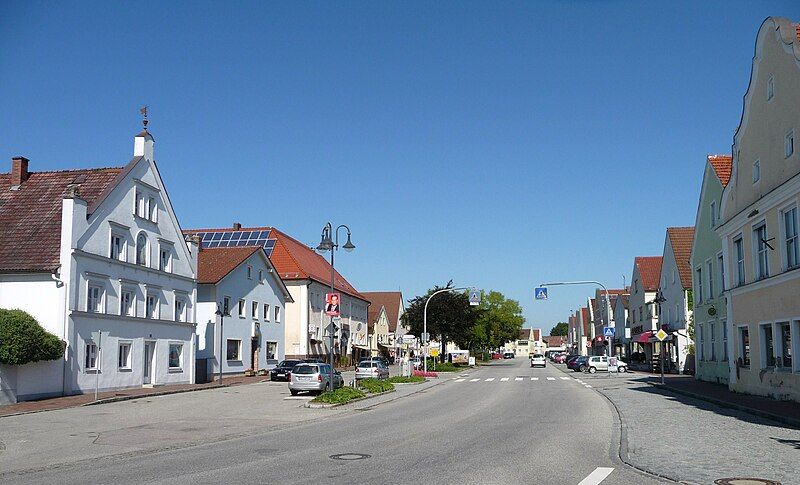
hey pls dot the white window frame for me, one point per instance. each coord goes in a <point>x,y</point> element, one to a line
<point>90,351</point>
<point>254,309</point>
<point>238,357</point>
<point>712,341</point>
<point>788,144</point>
<point>154,314</point>
<point>249,272</point>
<point>162,250</point>
<point>724,323</point>
<point>123,291</point>
<point>242,308</point>
<point>146,254</point>
<point>777,331</point>
<point>179,367</point>
<point>180,309</point>
<point>277,311</point>
<point>713,210</point>
<point>738,250</point>
<point>760,251</point>
<point>266,350</point>
<point>266,311</point>
<point>261,277</point>
<point>710,270</point>
<point>700,342</point>
<point>721,267</point>
<point>99,300</point>
<point>226,304</point>
<point>126,365</point>
<point>740,351</point>
<point>121,254</point>
<point>152,209</point>
<point>698,273</point>
<point>756,171</point>
<point>766,354</point>
<point>786,240</point>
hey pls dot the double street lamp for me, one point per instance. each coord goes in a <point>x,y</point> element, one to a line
<point>221,313</point>
<point>330,242</point>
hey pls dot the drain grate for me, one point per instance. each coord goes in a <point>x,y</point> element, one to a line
<point>350,456</point>
<point>745,481</point>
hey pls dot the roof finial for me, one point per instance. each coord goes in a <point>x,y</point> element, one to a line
<point>143,111</point>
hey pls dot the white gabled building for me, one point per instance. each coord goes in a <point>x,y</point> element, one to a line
<point>675,296</point>
<point>239,280</point>
<point>98,250</point>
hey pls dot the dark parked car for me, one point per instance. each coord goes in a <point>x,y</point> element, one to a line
<point>578,364</point>
<point>281,372</point>
<point>508,355</point>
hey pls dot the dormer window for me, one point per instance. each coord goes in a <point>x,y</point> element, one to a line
<point>117,250</point>
<point>756,171</point>
<point>770,87</point>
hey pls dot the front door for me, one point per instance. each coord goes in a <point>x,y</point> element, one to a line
<point>254,353</point>
<point>149,354</point>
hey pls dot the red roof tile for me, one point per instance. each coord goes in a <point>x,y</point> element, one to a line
<point>649,271</point>
<point>391,300</point>
<point>216,263</point>
<point>722,167</point>
<point>554,340</point>
<point>681,239</point>
<point>30,218</point>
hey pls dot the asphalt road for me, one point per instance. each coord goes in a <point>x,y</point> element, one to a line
<point>502,423</point>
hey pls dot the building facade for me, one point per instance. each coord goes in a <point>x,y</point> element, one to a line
<point>643,311</point>
<point>760,222</point>
<point>98,258</point>
<point>674,298</point>
<point>710,308</point>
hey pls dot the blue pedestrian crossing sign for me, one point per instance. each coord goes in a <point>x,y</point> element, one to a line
<point>474,297</point>
<point>608,331</point>
<point>540,293</point>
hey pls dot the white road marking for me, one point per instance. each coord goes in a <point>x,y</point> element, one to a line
<point>518,378</point>
<point>597,476</point>
<point>490,379</point>
<point>534,378</point>
<point>551,378</point>
<point>587,386</point>
<point>460,380</point>
<point>474,380</point>
<point>503,379</point>
<point>565,378</point>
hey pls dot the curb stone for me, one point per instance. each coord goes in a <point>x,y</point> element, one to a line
<point>314,405</point>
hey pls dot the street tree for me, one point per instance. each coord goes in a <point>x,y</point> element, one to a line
<point>499,320</point>
<point>450,317</point>
<point>23,340</point>
<point>560,330</point>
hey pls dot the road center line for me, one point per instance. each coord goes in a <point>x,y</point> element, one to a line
<point>518,378</point>
<point>534,378</point>
<point>503,379</point>
<point>551,378</point>
<point>474,380</point>
<point>565,378</point>
<point>597,476</point>
<point>490,379</point>
<point>460,380</point>
<point>588,386</point>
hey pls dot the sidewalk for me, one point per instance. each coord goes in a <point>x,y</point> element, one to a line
<point>119,395</point>
<point>786,412</point>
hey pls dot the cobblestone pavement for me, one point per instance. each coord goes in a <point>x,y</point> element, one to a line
<point>696,442</point>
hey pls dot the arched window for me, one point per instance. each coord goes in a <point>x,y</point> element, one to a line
<point>141,249</point>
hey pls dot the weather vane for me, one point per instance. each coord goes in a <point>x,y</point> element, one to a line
<point>143,111</point>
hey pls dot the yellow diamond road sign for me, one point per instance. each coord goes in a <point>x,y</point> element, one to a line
<point>661,335</point>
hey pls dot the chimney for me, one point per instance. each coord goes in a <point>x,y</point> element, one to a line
<point>237,226</point>
<point>19,170</point>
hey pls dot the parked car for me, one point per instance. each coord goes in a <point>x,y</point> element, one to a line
<point>560,358</point>
<point>417,363</point>
<point>578,364</point>
<point>313,378</point>
<point>538,359</point>
<point>496,355</point>
<point>508,355</point>
<point>600,363</point>
<point>281,372</point>
<point>371,368</point>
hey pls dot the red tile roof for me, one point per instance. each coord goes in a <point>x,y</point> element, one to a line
<point>722,167</point>
<point>681,239</point>
<point>649,271</point>
<point>30,218</point>
<point>391,300</point>
<point>554,340</point>
<point>296,261</point>
<point>585,317</point>
<point>216,263</point>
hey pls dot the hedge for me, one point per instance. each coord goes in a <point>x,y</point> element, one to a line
<point>375,385</point>
<point>339,396</point>
<point>23,340</point>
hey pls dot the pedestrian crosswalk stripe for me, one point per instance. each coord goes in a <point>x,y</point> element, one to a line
<point>474,380</point>
<point>534,378</point>
<point>490,379</point>
<point>460,380</point>
<point>565,378</point>
<point>551,378</point>
<point>587,385</point>
<point>503,379</point>
<point>518,378</point>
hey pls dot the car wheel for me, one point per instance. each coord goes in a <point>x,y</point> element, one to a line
<point>327,387</point>
<point>592,370</point>
<point>582,368</point>
<point>622,370</point>
<point>293,392</point>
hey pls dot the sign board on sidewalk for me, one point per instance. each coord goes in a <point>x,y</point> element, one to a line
<point>661,335</point>
<point>426,337</point>
<point>434,352</point>
<point>474,297</point>
<point>540,293</point>
<point>608,332</point>
<point>409,339</point>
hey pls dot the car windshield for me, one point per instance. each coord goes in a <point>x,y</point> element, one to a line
<point>538,356</point>
<point>369,364</point>
<point>289,363</point>
<point>305,369</point>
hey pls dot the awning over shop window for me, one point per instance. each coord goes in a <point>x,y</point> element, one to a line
<point>644,337</point>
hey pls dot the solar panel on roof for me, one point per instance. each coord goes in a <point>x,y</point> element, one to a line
<point>227,239</point>
<point>226,236</point>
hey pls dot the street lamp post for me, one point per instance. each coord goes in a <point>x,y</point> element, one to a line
<point>330,241</point>
<point>608,300</point>
<point>425,321</point>
<point>221,313</point>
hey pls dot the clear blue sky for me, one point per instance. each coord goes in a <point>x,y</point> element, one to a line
<point>500,145</point>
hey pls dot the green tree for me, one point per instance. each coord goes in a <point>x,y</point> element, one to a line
<point>450,317</point>
<point>499,320</point>
<point>560,330</point>
<point>23,340</point>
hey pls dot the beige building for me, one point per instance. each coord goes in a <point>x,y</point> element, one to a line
<point>759,228</point>
<point>529,342</point>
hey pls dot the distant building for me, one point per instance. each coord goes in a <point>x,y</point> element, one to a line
<point>529,341</point>
<point>675,296</point>
<point>390,304</point>
<point>643,311</point>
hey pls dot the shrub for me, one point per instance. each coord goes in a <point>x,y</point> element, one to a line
<point>444,366</point>
<point>23,340</point>
<point>339,396</point>
<point>375,385</point>
<point>405,380</point>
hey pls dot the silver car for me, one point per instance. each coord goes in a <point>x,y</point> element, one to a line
<point>538,359</point>
<point>371,368</point>
<point>313,378</point>
<point>600,363</point>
